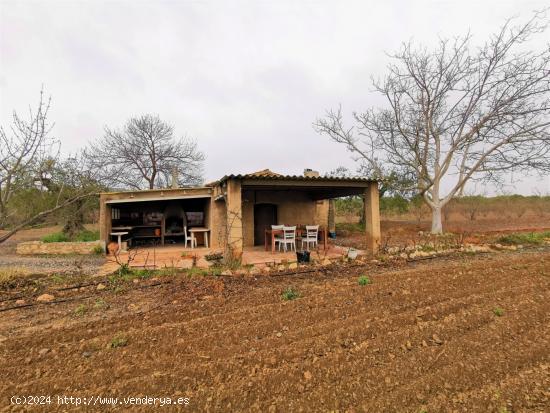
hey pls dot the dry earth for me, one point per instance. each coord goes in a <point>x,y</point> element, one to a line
<point>422,336</point>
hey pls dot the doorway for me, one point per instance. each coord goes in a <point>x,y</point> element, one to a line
<point>265,215</point>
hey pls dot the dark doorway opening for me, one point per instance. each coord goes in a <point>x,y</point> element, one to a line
<point>265,215</point>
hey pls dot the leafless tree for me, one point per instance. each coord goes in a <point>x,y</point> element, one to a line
<point>457,113</point>
<point>145,154</point>
<point>22,150</point>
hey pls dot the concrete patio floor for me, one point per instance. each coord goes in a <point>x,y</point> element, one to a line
<point>170,256</point>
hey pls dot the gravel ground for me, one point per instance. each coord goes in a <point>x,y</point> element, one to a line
<point>71,264</point>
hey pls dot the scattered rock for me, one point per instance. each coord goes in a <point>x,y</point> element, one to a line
<point>326,262</point>
<point>307,375</point>
<point>281,268</point>
<point>45,298</point>
<point>20,302</point>
<point>279,335</point>
<point>86,354</point>
<point>437,340</point>
<point>101,286</point>
<point>408,345</point>
<point>43,351</point>
<point>227,272</point>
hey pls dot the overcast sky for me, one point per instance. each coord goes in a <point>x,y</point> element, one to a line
<point>246,79</point>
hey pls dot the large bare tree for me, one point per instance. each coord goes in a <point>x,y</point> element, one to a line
<point>25,147</point>
<point>457,113</point>
<point>145,154</point>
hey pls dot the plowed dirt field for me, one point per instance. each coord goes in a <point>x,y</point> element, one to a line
<point>465,334</point>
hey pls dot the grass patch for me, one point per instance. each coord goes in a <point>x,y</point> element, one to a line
<point>196,271</point>
<point>499,312</point>
<point>87,236</point>
<point>80,310</point>
<point>55,237</point>
<point>100,304</point>
<point>527,238</point>
<point>98,250</point>
<point>290,294</point>
<point>8,274</point>
<point>364,280</point>
<point>118,341</point>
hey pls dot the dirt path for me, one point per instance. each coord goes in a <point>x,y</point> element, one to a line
<point>422,337</point>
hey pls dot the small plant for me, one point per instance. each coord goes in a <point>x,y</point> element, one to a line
<point>216,270</point>
<point>214,257</point>
<point>97,250</point>
<point>80,310</point>
<point>101,304</point>
<point>118,341</point>
<point>364,280</point>
<point>193,271</point>
<point>290,294</point>
<point>499,312</point>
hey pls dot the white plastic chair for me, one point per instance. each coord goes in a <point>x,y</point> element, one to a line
<point>312,233</point>
<point>277,237</point>
<point>289,238</point>
<point>192,241</point>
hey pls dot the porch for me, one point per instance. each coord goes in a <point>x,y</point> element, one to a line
<point>175,256</point>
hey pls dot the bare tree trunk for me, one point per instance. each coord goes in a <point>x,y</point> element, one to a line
<point>437,226</point>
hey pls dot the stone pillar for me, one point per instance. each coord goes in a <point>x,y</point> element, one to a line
<point>104,219</point>
<point>372,217</point>
<point>234,218</point>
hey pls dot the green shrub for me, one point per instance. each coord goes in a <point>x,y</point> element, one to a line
<point>394,204</point>
<point>499,312</point>
<point>55,237</point>
<point>118,341</point>
<point>531,238</point>
<point>80,310</point>
<point>290,294</point>
<point>364,280</point>
<point>98,250</point>
<point>87,235</point>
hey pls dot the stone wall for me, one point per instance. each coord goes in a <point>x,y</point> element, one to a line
<point>39,247</point>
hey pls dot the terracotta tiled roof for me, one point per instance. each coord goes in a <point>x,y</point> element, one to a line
<point>268,175</point>
<point>264,173</point>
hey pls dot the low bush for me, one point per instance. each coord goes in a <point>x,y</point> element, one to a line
<point>290,294</point>
<point>499,312</point>
<point>364,280</point>
<point>531,238</point>
<point>118,341</point>
<point>87,236</point>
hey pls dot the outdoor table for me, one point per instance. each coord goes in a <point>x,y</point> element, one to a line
<point>270,235</point>
<point>119,235</point>
<point>205,231</point>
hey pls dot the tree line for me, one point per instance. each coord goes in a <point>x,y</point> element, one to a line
<point>38,181</point>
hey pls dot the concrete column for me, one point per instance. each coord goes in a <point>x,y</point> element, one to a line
<point>234,217</point>
<point>372,217</point>
<point>104,219</point>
